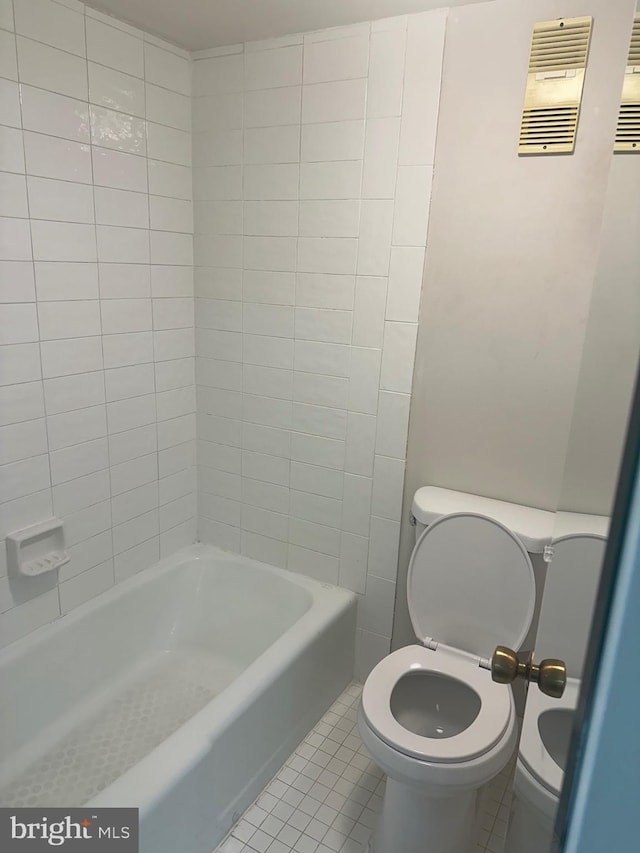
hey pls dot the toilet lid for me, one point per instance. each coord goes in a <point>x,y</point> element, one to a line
<point>470,585</point>
<point>570,591</point>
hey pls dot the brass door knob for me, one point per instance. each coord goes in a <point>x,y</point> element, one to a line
<point>550,674</point>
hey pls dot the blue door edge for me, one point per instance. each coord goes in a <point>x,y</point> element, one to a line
<point>602,683</point>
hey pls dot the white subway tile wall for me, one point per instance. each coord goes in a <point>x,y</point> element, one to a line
<point>97,350</point>
<point>313,158</point>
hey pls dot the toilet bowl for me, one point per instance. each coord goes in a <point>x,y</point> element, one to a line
<point>565,619</point>
<point>440,729</point>
<point>430,715</point>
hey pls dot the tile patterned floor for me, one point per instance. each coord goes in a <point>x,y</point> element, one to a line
<point>327,796</point>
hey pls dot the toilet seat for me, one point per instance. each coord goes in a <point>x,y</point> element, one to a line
<point>478,738</point>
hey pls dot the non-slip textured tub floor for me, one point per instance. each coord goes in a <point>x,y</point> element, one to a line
<point>327,796</point>
<point>168,691</point>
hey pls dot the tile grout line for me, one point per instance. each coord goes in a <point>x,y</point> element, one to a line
<point>103,371</point>
<point>153,323</point>
<point>37,316</point>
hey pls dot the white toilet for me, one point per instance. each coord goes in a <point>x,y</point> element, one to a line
<point>565,619</point>
<point>430,715</point>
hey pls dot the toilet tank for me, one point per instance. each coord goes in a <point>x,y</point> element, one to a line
<point>534,527</point>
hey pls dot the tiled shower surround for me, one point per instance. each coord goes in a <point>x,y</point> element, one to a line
<point>312,166</point>
<point>97,392</point>
<point>312,170</point>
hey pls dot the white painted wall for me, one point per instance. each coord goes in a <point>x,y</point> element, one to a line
<point>97,395</point>
<point>610,354</point>
<point>513,248</point>
<point>312,171</point>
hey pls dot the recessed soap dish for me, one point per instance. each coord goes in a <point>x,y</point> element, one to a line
<point>37,549</point>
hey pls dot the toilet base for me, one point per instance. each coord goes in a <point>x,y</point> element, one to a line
<point>412,822</point>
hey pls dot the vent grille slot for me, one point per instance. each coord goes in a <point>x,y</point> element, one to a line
<point>628,131</point>
<point>560,44</point>
<point>634,47</point>
<point>557,63</point>
<point>549,126</point>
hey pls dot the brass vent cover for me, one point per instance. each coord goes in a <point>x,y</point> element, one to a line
<point>628,131</point>
<point>557,64</point>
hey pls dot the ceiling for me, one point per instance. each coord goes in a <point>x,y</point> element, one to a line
<point>198,24</point>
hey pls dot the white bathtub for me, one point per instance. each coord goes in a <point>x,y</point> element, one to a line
<point>180,691</point>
